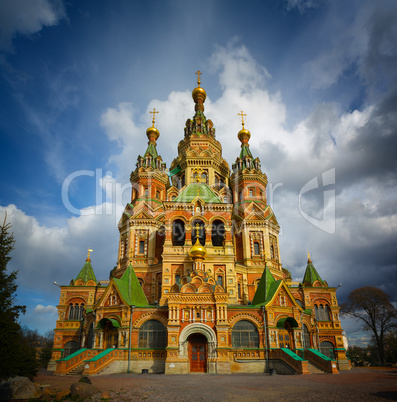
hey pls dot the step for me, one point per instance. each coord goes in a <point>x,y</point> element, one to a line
<point>314,369</point>
<point>77,370</point>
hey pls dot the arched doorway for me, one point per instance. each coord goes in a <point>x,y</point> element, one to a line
<point>198,346</point>
<point>327,349</point>
<point>110,332</point>
<point>110,336</point>
<point>285,332</point>
<point>70,347</point>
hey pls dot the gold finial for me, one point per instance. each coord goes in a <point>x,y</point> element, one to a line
<point>198,77</point>
<point>197,226</point>
<point>89,252</point>
<point>308,257</point>
<point>242,117</point>
<point>154,116</point>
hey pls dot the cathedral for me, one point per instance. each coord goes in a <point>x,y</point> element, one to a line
<point>199,285</point>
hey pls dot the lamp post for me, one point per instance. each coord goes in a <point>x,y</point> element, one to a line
<point>129,339</point>
<point>266,345</point>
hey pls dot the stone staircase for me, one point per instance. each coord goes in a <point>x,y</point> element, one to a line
<point>314,369</point>
<point>77,370</point>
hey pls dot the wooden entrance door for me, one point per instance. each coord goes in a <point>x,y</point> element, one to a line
<point>198,353</point>
<point>285,337</point>
<point>110,336</point>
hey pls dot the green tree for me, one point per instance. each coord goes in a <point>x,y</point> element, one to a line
<point>372,307</point>
<point>391,347</point>
<point>16,356</point>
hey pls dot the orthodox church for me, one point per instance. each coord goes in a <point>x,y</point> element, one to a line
<point>199,285</point>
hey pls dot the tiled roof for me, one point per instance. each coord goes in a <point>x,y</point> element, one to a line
<point>266,289</point>
<point>86,273</point>
<point>130,288</point>
<point>201,190</point>
<point>311,274</point>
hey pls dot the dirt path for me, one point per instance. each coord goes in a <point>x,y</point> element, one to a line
<point>358,384</point>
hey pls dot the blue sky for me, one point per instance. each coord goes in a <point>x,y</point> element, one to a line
<point>317,80</point>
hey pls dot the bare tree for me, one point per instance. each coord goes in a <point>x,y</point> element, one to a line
<point>372,306</point>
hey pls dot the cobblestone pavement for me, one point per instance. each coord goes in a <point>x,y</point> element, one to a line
<point>357,384</point>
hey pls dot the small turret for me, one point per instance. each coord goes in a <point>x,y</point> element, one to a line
<point>311,277</point>
<point>86,273</point>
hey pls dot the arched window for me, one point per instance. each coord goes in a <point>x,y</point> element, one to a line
<point>71,312</point>
<point>317,313</point>
<point>140,282</point>
<point>146,192</point>
<point>239,290</point>
<point>219,280</point>
<point>141,246</point>
<point>177,279</point>
<point>256,248</point>
<point>200,232</point>
<point>178,233</point>
<point>272,251</point>
<point>218,233</point>
<point>251,193</point>
<point>327,313</point>
<point>204,178</point>
<point>327,349</point>
<point>70,347</point>
<point>306,337</point>
<point>183,180</point>
<point>152,334</point>
<point>245,335</point>
<point>157,194</point>
<point>225,199</point>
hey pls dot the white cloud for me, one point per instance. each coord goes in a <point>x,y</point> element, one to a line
<point>44,254</point>
<point>40,309</point>
<point>27,17</point>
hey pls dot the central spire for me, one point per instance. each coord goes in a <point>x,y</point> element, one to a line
<point>199,95</point>
<point>244,135</point>
<point>152,133</point>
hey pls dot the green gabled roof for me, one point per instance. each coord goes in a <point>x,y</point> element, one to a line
<point>311,274</point>
<point>130,288</point>
<point>87,272</point>
<point>266,289</point>
<point>201,190</point>
<point>245,151</point>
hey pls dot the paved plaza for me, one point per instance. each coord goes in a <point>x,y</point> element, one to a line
<point>364,384</point>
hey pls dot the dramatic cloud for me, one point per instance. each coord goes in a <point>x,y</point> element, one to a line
<point>27,17</point>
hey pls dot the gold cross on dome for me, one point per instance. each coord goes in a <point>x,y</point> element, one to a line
<point>197,227</point>
<point>89,252</point>
<point>154,115</point>
<point>242,117</point>
<point>198,77</point>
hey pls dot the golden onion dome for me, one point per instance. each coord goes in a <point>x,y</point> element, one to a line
<point>199,93</point>
<point>197,252</point>
<point>244,135</point>
<point>153,134</point>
